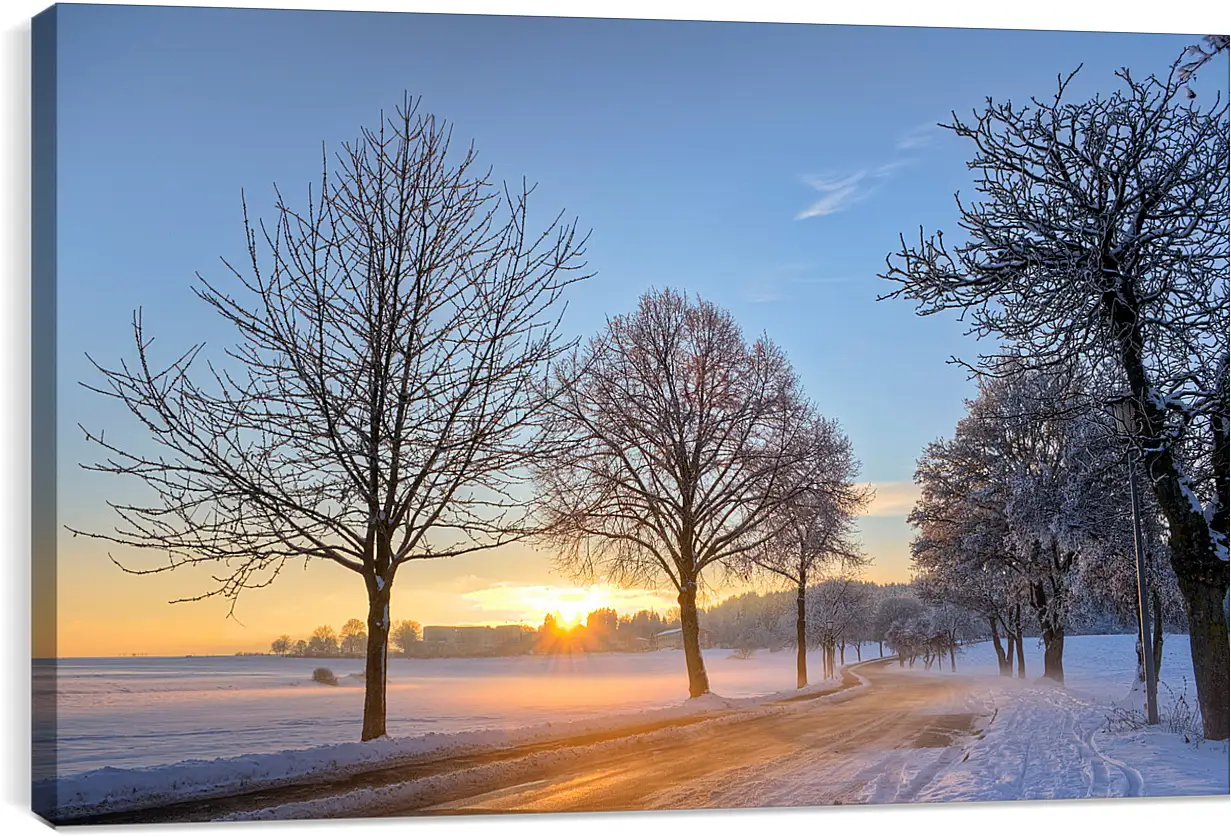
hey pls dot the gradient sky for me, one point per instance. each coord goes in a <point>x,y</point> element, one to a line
<point>768,167</point>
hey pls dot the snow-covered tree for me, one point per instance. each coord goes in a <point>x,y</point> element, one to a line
<point>1020,487</point>
<point>831,608</point>
<point>1100,236</point>
<point>674,442</point>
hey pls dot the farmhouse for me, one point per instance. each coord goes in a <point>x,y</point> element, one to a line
<point>674,639</point>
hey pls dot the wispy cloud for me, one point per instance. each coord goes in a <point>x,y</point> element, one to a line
<point>921,136</point>
<point>784,282</point>
<point>894,499</point>
<point>837,193</point>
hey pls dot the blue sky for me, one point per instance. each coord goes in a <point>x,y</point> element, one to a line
<point>767,167</point>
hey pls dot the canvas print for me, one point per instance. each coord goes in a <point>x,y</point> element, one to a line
<point>446,415</point>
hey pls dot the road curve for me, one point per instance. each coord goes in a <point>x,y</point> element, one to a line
<point>811,753</point>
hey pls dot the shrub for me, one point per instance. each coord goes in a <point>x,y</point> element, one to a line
<point>324,675</point>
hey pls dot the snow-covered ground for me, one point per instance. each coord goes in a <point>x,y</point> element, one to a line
<point>1030,740</point>
<point>153,730</point>
<point>1039,741</point>
<point>136,712</point>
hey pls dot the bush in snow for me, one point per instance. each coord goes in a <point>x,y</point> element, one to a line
<point>324,675</point>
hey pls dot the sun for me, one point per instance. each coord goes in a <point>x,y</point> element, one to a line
<point>569,606</point>
<point>573,605</point>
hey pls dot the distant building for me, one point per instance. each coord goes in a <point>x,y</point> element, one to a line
<point>674,639</point>
<point>476,640</point>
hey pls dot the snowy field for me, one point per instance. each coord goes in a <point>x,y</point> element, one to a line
<point>138,712</point>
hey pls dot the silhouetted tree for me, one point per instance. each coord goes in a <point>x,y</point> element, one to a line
<point>672,445</point>
<point>405,634</point>
<point>354,638</point>
<point>379,402</point>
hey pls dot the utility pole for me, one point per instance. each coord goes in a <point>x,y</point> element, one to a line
<point>1143,598</point>
<point>1125,422</point>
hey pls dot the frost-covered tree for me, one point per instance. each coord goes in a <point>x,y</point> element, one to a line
<point>1018,488</point>
<point>378,405</point>
<point>1100,236</point>
<point>831,609</point>
<point>892,610</point>
<point>674,442</point>
<point>815,530</point>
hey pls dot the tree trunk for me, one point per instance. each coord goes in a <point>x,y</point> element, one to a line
<point>690,628</point>
<point>1053,653</point>
<point>952,656</point>
<point>1020,641</point>
<point>375,664</point>
<point>880,647</point>
<point>801,641</point>
<point>1201,572</point>
<point>1158,635</point>
<point>1053,634</point>
<point>1005,668</point>
<point>859,651</point>
<point>842,653</point>
<point>1207,638</point>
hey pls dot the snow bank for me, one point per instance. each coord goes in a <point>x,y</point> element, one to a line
<point>1043,741</point>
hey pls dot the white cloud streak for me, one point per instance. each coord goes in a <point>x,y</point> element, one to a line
<point>894,499</point>
<point>836,194</point>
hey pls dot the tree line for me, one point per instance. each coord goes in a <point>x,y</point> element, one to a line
<point>351,642</point>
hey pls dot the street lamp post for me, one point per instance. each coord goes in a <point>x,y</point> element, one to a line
<point>1125,422</point>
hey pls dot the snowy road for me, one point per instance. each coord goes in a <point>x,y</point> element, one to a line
<point>882,744</point>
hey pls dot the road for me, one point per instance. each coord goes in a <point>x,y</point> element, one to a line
<point>844,749</point>
<point>879,741</point>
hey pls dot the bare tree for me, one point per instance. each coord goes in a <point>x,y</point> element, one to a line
<point>1101,236</point>
<point>405,634</point>
<point>815,530</point>
<point>671,447</point>
<point>378,405</point>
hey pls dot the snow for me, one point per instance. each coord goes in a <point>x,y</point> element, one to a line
<point>1044,741</point>
<point>136,732</point>
<point>1029,739</point>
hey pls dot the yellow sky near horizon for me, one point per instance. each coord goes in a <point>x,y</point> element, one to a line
<point>102,611</point>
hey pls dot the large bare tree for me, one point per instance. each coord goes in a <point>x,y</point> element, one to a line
<point>815,531</point>
<point>378,405</point>
<point>1100,236</point>
<point>673,444</point>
